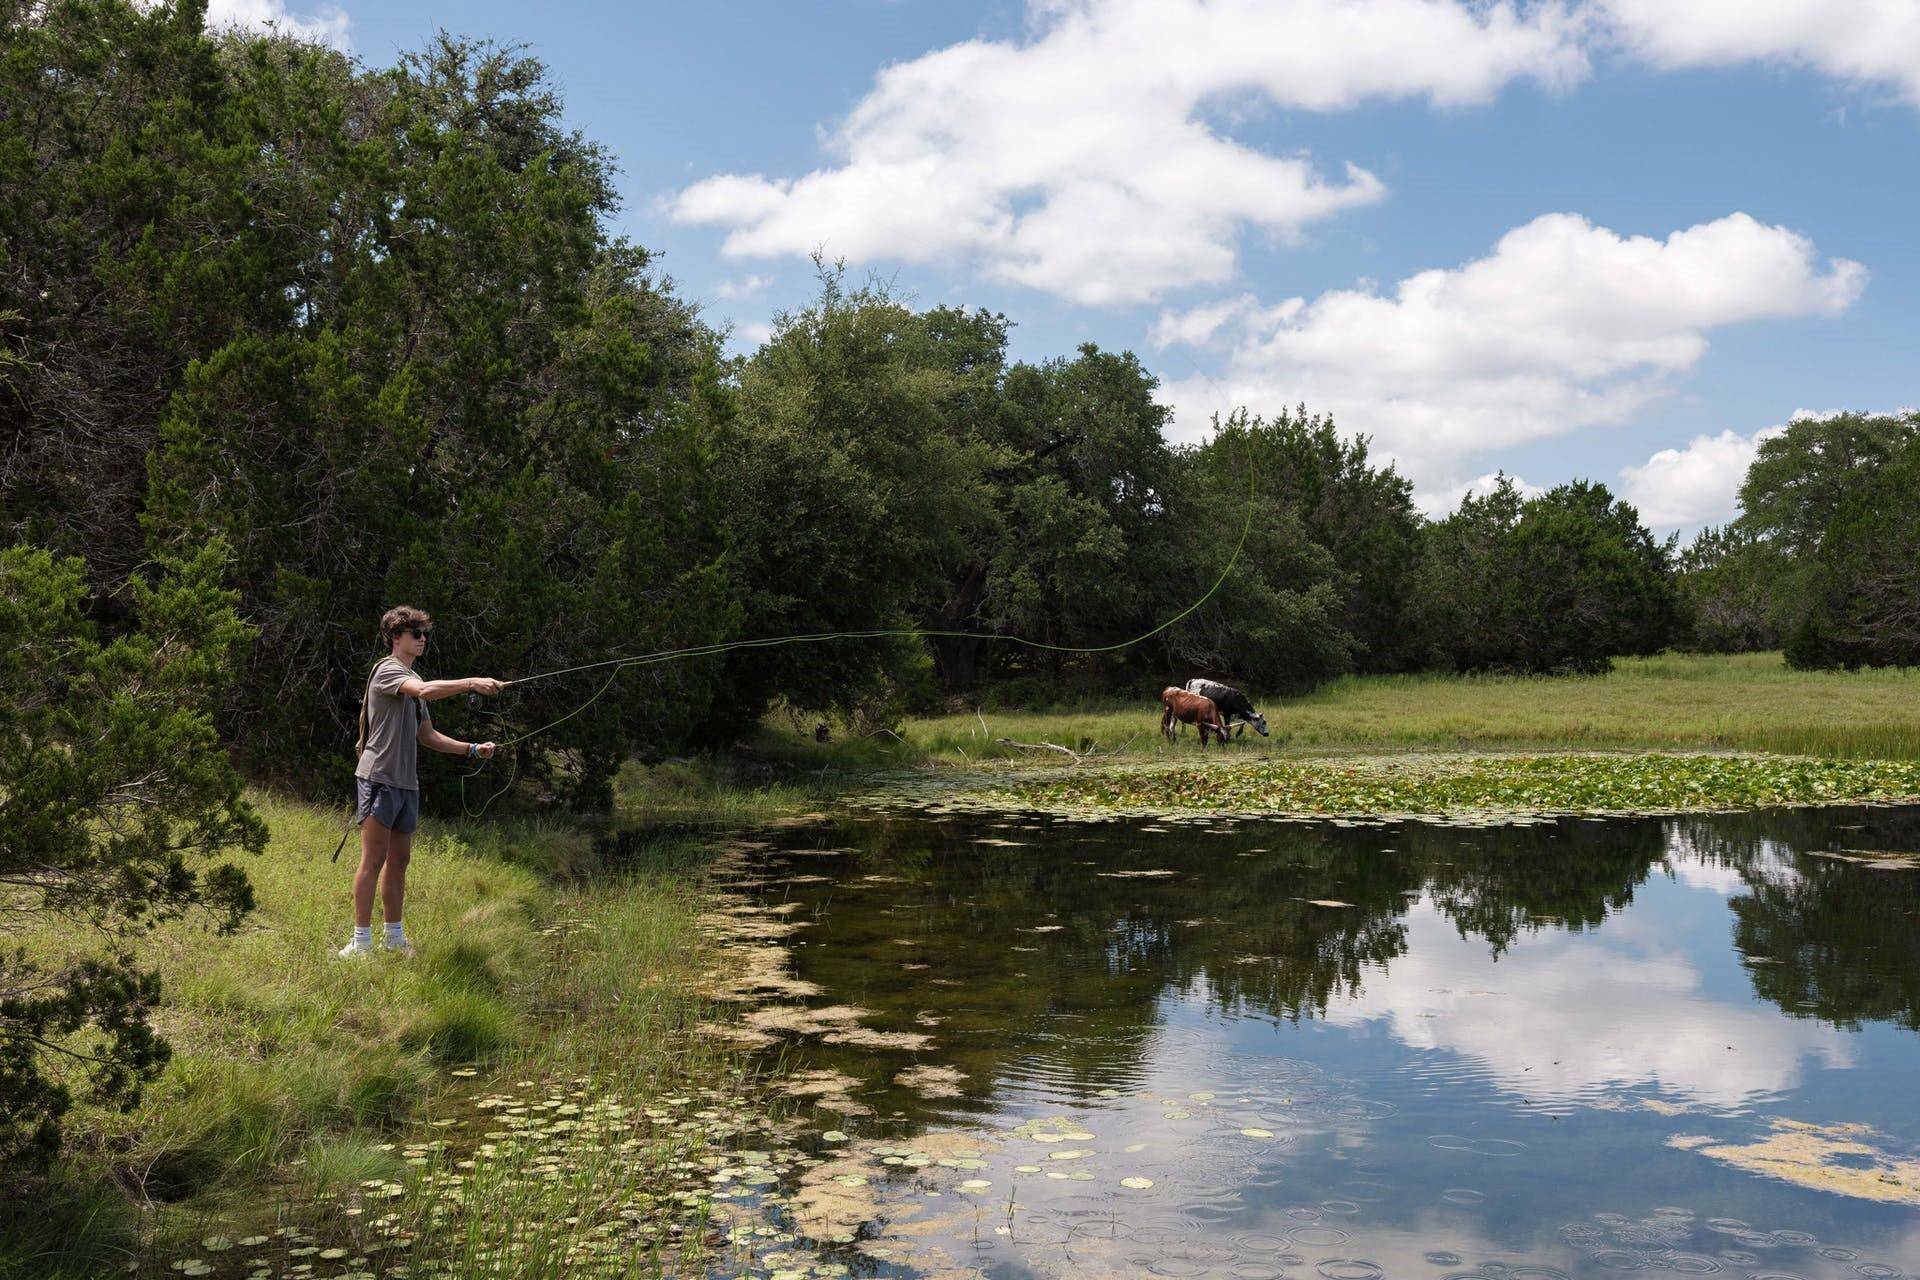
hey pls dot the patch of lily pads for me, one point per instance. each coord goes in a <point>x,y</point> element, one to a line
<point>1475,787</point>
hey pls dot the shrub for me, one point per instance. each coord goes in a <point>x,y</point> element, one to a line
<point>113,789</point>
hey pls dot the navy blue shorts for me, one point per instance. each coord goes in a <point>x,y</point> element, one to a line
<point>395,808</point>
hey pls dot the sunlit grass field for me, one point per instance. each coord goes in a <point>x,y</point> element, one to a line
<point>1748,702</point>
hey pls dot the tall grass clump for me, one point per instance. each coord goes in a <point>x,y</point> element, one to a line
<point>620,998</point>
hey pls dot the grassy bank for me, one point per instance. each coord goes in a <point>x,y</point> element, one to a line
<point>695,795</point>
<point>294,1072</point>
<point>1748,702</point>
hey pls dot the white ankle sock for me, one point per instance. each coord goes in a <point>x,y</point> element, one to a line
<point>395,934</point>
<point>363,935</point>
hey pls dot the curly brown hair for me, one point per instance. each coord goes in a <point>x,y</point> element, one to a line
<point>400,618</point>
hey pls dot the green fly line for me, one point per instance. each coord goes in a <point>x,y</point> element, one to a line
<point>614,666</point>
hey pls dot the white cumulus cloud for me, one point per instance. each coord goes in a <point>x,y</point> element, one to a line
<point>1088,159</point>
<point>327,24</point>
<point>1196,326</point>
<point>1699,484</point>
<point>752,335</point>
<point>1563,325</point>
<point>1437,504</point>
<point>747,288</point>
<point>1874,42</point>
<point>1082,160</point>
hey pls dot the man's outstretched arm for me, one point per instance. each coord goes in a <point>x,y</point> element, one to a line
<point>434,690</point>
<point>434,740</point>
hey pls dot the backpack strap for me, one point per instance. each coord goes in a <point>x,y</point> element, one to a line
<point>366,695</point>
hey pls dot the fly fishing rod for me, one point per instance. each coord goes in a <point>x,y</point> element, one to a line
<point>614,666</point>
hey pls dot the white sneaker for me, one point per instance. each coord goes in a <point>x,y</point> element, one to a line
<point>353,949</point>
<point>404,950</point>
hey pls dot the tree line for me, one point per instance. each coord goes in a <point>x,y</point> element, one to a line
<point>286,339</point>
<point>367,332</point>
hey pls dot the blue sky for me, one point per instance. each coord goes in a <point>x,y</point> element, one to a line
<point>1650,229</point>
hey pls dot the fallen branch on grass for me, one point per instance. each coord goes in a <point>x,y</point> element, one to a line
<point>1078,757</point>
<point>1068,752</point>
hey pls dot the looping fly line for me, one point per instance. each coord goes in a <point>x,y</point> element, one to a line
<point>614,666</point>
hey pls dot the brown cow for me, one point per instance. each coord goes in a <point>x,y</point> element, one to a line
<point>1193,709</point>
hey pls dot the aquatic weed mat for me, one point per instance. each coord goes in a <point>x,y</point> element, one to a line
<point>1478,787</point>
<point>540,1178</point>
<point>598,1159</point>
<point>560,1177</point>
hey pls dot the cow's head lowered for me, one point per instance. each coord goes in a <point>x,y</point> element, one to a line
<point>1250,717</point>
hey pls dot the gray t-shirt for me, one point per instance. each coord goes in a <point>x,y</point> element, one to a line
<point>390,725</point>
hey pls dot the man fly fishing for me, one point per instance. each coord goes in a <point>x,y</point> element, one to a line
<point>394,725</point>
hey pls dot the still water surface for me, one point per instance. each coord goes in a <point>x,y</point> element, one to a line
<point>1573,1047</point>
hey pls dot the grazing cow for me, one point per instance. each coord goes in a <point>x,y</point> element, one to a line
<point>1233,705</point>
<point>1190,708</point>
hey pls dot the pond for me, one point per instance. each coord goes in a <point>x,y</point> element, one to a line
<point>1261,1048</point>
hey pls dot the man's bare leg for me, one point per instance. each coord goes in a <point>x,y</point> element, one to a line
<point>393,881</point>
<point>375,845</point>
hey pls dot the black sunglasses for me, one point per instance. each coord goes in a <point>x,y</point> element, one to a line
<point>418,633</point>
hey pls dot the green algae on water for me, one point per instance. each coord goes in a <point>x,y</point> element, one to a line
<point>1472,787</point>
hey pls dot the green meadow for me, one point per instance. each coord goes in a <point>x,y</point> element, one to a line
<point>1744,702</point>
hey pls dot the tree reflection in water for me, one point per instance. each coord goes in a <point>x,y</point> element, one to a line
<point>1049,944</point>
<point>1824,938</point>
<point>1371,1049</point>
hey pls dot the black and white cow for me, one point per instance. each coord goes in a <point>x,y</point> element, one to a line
<point>1233,704</point>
